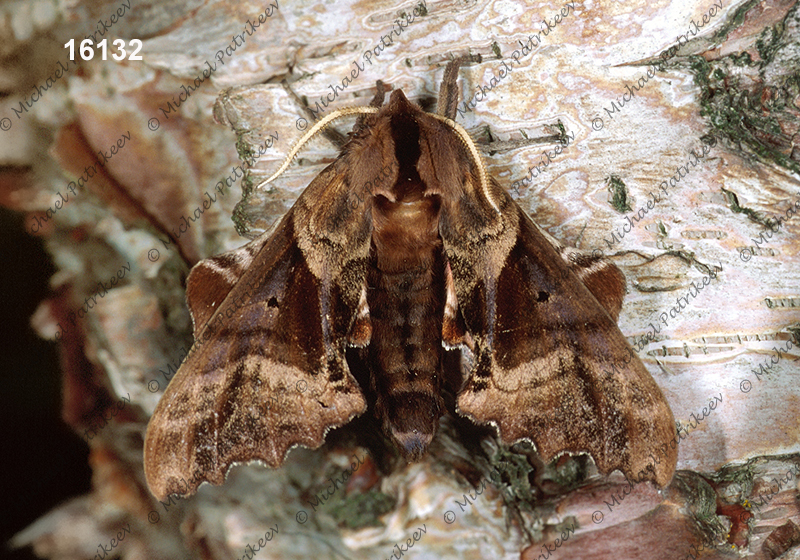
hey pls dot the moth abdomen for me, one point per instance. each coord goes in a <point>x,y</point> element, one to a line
<point>405,352</point>
<point>406,295</point>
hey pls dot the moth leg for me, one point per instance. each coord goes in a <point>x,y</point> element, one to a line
<point>448,92</point>
<point>377,101</point>
<point>448,103</point>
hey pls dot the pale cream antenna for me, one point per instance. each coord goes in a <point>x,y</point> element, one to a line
<point>473,151</point>
<point>346,111</point>
<point>338,114</point>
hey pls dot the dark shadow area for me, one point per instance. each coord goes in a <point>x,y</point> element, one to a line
<point>43,461</point>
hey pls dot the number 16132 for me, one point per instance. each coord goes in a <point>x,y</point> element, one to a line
<point>87,48</point>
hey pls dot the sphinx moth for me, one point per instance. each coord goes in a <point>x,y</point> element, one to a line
<point>399,254</point>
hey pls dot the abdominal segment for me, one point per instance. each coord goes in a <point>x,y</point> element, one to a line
<point>406,296</point>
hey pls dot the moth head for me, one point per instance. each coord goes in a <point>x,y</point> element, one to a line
<point>398,105</point>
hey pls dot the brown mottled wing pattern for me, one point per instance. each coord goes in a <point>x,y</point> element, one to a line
<point>546,360</point>
<point>545,348</point>
<point>213,278</point>
<point>267,371</point>
<point>604,280</point>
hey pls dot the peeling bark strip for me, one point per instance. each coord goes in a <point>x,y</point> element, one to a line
<point>302,123</point>
<point>517,55</point>
<point>119,406</point>
<point>527,180</point>
<point>250,552</point>
<point>221,185</point>
<point>665,55</point>
<point>82,180</point>
<point>673,181</point>
<point>417,536</point>
<point>420,9</point>
<point>113,544</point>
<point>790,474</point>
<point>335,482</point>
<point>712,11</point>
<point>219,55</point>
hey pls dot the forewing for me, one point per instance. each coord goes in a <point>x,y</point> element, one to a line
<point>549,363</point>
<point>267,371</point>
<point>601,277</point>
<point>212,279</point>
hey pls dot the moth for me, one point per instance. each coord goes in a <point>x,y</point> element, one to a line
<point>399,255</point>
